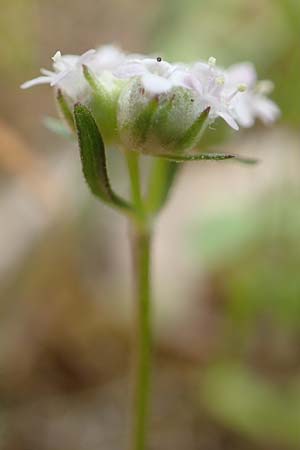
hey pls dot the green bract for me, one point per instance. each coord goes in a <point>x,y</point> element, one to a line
<point>170,123</point>
<point>103,103</point>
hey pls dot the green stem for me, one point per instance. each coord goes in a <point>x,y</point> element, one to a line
<point>141,241</point>
<point>141,249</point>
<point>135,182</point>
<point>161,179</point>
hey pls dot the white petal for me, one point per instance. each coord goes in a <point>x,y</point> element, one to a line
<point>107,57</point>
<point>266,109</point>
<point>162,68</point>
<point>191,82</point>
<point>131,69</point>
<point>86,56</point>
<point>48,73</point>
<point>59,77</point>
<point>36,82</point>
<point>155,85</point>
<point>242,73</point>
<point>228,119</point>
<point>201,68</point>
<point>182,78</point>
<point>108,52</point>
<point>243,111</point>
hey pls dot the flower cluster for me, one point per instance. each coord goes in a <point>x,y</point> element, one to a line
<point>152,106</point>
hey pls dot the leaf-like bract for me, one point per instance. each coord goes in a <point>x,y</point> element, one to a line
<point>93,158</point>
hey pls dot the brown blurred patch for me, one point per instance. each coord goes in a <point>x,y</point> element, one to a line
<point>20,161</point>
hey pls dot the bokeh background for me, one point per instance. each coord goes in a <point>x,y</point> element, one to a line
<point>226,255</point>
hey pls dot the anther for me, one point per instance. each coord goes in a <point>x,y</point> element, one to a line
<point>212,61</point>
<point>242,87</point>
<point>220,80</point>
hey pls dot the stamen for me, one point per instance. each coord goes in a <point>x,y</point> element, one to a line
<point>240,88</point>
<point>212,61</point>
<point>220,80</point>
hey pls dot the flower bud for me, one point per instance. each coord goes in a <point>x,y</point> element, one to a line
<point>161,125</point>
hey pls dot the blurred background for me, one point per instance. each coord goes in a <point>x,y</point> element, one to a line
<point>226,255</point>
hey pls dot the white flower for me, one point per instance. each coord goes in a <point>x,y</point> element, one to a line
<point>157,76</point>
<point>254,102</point>
<point>208,81</point>
<point>106,58</point>
<point>67,71</point>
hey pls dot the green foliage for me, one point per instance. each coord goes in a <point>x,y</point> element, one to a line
<point>227,33</point>
<point>17,40</point>
<point>251,405</point>
<point>256,252</point>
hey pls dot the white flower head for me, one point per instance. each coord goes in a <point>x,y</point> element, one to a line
<point>154,106</point>
<point>157,76</point>
<point>67,69</point>
<point>254,102</point>
<point>208,82</point>
<point>67,73</point>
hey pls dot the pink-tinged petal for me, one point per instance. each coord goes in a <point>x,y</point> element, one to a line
<point>243,111</point>
<point>35,82</point>
<point>228,119</point>
<point>155,85</point>
<point>130,69</point>
<point>180,78</point>
<point>242,73</point>
<point>266,110</point>
<point>201,69</point>
<point>191,82</point>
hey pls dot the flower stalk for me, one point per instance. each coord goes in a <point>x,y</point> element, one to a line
<point>141,238</point>
<point>141,254</point>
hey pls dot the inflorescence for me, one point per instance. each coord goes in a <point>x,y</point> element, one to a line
<point>153,106</point>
